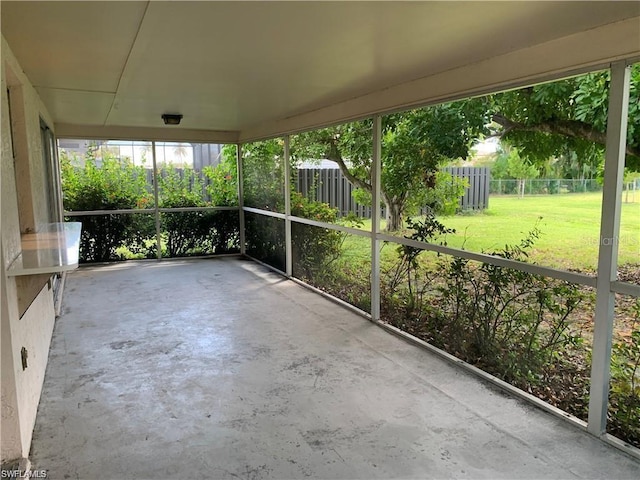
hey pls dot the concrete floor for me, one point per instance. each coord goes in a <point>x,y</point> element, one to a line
<point>220,369</point>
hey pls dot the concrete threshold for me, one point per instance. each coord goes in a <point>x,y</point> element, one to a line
<point>219,368</point>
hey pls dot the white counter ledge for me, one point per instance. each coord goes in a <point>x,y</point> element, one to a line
<point>55,247</point>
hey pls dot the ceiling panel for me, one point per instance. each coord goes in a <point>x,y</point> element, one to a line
<point>76,106</point>
<point>234,65</point>
<point>72,45</point>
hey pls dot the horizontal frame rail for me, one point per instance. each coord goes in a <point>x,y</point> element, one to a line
<point>268,213</point>
<point>625,288</point>
<point>83,213</point>
<point>579,278</point>
<point>564,275</point>
<point>332,226</point>
<point>198,209</point>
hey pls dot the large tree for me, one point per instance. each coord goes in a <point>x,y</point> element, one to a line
<point>414,146</point>
<point>564,119</point>
<point>567,117</point>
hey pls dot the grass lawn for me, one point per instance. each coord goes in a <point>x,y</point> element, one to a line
<point>569,225</point>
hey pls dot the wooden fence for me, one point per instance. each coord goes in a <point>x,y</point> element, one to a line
<point>329,185</point>
<point>476,197</point>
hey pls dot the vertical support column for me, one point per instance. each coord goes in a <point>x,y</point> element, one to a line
<point>287,209</point>
<point>243,248</point>
<point>156,210</point>
<point>376,169</point>
<point>608,250</point>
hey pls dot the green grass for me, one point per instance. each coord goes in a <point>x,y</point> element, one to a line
<point>569,225</point>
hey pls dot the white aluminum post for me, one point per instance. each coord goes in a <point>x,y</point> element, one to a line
<point>376,169</point>
<point>243,249</point>
<point>287,210</point>
<point>608,249</point>
<point>157,206</point>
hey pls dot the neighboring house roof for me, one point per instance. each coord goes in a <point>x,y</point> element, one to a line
<point>324,163</point>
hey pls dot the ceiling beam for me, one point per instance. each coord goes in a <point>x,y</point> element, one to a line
<point>163,134</point>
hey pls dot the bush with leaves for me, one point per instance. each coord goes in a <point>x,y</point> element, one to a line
<point>314,248</point>
<point>444,197</point>
<point>111,183</point>
<point>263,174</point>
<point>222,185</point>
<point>115,184</point>
<point>197,232</point>
<point>185,233</point>
<point>624,396</point>
<point>264,239</point>
<point>511,323</point>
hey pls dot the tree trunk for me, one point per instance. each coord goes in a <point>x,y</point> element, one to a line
<point>394,216</point>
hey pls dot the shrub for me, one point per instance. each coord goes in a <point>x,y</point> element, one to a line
<point>185,233</point>
<point>263,168</point>
<point>264,237</point>
<point>196,232</point>
<point>512,324</point>
<point>444,197</point>
<point>314,248</point>
<point>118,184</point>
<point>222,186</point>
<point>115,184</point>
<point>624,396</point>
<point>509,322</point>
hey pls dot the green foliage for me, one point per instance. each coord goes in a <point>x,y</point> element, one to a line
<point>500,166</point>
<point>118,184</point>
<point>518,168</point>
<point>179,187</point>
<point>197,232</point>
<point>566,117</point>
<point>184,232</point>
<point>314,248</point>
<point>404,280</point>
<point>414,146</point>
<point>265,239</point>
<point>624,396</point>
<point>222,187</point>
<point>263,174</point>
<point>115,184</point>
<point>444,197</point>
<point>512,324</point>
<point>361,196</point>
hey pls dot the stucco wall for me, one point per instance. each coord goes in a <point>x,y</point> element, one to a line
<point>21,389</point>
<point>10,436</point>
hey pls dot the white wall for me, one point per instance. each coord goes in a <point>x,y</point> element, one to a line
<point>23,204</point>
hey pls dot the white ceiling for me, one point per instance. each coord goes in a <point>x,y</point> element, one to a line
<point>260,68</point>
